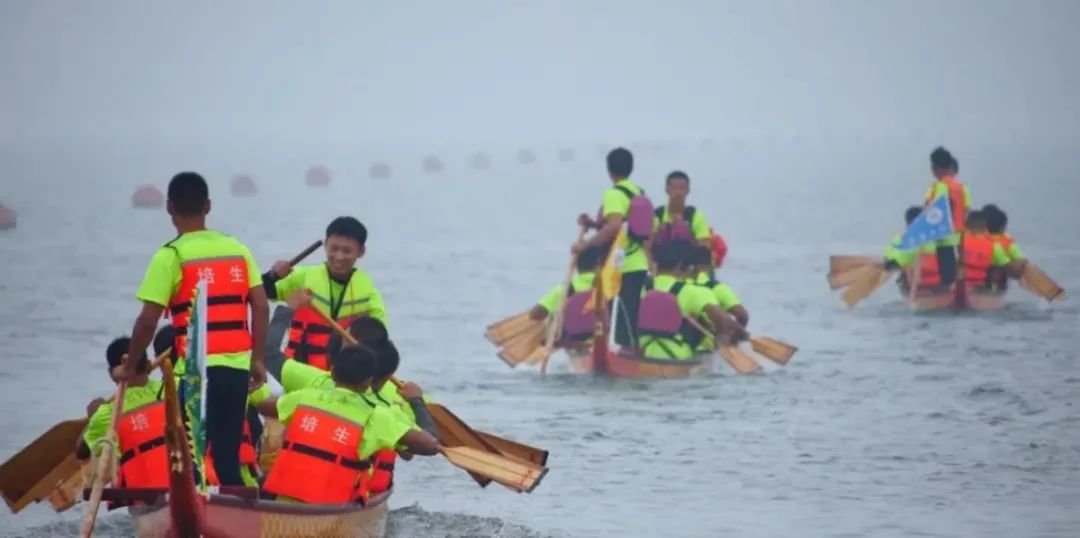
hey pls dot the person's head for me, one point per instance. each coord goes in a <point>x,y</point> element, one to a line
<point>671,256</point>
<point>677,186</point>
<point>590,258</point>
<point>975,222</point>
<point>188,197</point>
<point>165,339</point>
<point>387,361</point>
<point>942,163</point>
<point>912,213</point>
<point>366,330</point>
<point>620,163</point>
<point>354,367</point>
<point>702,258</point>
<point>996,219</point>
<point>114,355</point>
<point>345,239</point>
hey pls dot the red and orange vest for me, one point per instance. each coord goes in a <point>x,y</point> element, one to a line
<point>318,461</point>
<point>311,334</point>
<point>956,201</point>
<point>144,460</point>
<point>227,287</point>
<point>977,253</point>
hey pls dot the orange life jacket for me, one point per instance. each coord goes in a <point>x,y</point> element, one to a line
<point>956,201</point>
<point>226,302</point>
<point>996,275</point>
<point>144,460</point>
<point>929,273</point>
<point>978,255</point>
<point>309,338</point>
<point>318,460</point>
<point>382,474</point>
<point>248,456</point>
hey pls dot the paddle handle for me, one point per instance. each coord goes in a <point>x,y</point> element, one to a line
<point>557,315</point>
<point>90,515</point>
<point>305,253</point>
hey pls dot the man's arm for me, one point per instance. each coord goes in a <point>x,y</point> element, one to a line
<point>260,314</point>
<point>726,326</point>
<point>275,333</point>
<point>142,335</point>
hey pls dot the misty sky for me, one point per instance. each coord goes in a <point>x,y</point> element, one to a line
<point>536,70</point>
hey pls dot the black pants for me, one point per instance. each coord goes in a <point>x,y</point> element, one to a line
<point>629,299</point>
<point>946,258</point>
<point>226,410</point>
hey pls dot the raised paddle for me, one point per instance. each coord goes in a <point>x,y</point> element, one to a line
<point>739,360</point>
<point>31,472</point>
<point>555,327</point>
<point>305,253</point>
<point>869,280</point>
<point>106,458</point>
<point>841,264</point>
<point>500,332</point>
<point>773,349</point>
<point>522,477</point>
<point>1037,282</point>
<point>523,346</point>
<point>844,278</point>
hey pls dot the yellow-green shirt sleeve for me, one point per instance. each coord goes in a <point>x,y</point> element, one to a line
<point>1015,253</point>
<point>700,226</point>
<point>292,282</point>
<point>892,251</point>
<point>693,300</point>
<point>551,300</point>
<point>615,202</point>
<point>97,427</point>
<point>383,429</point>
<point>254,276</point>
<point>725,296</point>
<point>296,376</point>
<point>287,404</point>
<point>999,257</point>
<point>377,309</point>
<point>161,279</point>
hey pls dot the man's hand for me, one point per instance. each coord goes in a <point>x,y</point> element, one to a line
<point>258,375</point>
<point>300,299</point>
<point>126,370</point>
<point>93,406</point>
<point>410,390</point>
<point>585,221</point>
<point>281,268</point>
<point>578,248</point>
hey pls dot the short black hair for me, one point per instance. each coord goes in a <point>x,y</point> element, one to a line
<point>671,255</point>
<point>912,213</point>
<point>590,258</point>
<point>620,162</point>
<point>188,194</point>
<point>996,218</point>
<point>941,159</point>
<point>387,359</point>
<point>114,354</point>
<point>165,339</point>
<point>366,330</point>
<point>975,218</point>
<point>701,255</point>
<point>348,227</point>
<point>677,174</point>
<point>353,365</point>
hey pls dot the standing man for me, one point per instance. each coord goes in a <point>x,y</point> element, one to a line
<point>235,350</point>
<point>676,211</point>
<point>635,265</point>
<point>945,167</point>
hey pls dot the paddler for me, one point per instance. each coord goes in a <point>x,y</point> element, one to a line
<point>996,222</point>
<point>702,275</point>
<point>338,287</point>
<point>235,350</point>
<point>980,253</point>
<point>623,202</point>
<point>675,339</point>
<point>141,428</point>
<point>584,277</point>
<point>331,434</point>
<point>895,258</point>
<point>945,168</point>
<point>676,219</point>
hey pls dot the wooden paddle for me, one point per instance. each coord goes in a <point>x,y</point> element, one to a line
<point>844,278</point>
<point>518,476</point>
<point>739,360</point>
<point>500,332</point>
<point>106,459</point>
<point>305,253</point>
<point>37,468</point>
<point>555,327</point>
<point>68,492</point>
<point>1039,283</point>
<point>515,449</point>
<point>773,349</point>
<point>871,278</point>
<point>842,264</point>
<point>522,346</point>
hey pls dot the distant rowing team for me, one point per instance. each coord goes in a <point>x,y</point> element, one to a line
<point>345,420</point>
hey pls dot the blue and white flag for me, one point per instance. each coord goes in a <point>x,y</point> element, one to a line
<point>935,222</point>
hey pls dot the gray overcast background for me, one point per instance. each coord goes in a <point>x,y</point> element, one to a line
<point>484,71</point>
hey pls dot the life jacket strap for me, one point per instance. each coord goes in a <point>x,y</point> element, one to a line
<point>144,447</point>
<point>307,450</point>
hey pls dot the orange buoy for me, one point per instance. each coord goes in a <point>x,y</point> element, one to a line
<point>379,171</point>
<point>566,155</point>
<point>243,185</point>
<point>480,161</point>
<point>433,165</point>
<point>7,218</point>
<point>147,196</point>
<point>526,156</point>
<point>317,176</point>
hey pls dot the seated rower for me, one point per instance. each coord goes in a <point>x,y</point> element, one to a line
<point>897,259</point>
<point>577,325</point>
<point>725,296</point>
<point>979,253</point>
<point>996,222</point>
<point>662,326</point>
<point>331,434</point>
<point>141,429</point>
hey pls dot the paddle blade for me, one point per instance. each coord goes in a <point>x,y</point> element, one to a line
<point>870,279</point>
<point>1039,283</point>
<point>773,349</point>
<point>844,278</point>
<point>32,472</point>
<point>740,361</point>
<point>522,346</point>
<point>453,432</point>
<point>512,473</point>
<point>500,332</point>
<point>68,493</point>
<point>514,449</point>
<point>841,264</point>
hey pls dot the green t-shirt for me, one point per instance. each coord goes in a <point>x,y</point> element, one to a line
<point>162,280</point>
<point>296,375</point>
<point>359,298</point>
<point>580,282</point>
<point>616,202</point>
<point>698,225</point>
<point>383,428</point>
<point>97,427</point>
<point>692,301</point>
<point>725,296</point>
